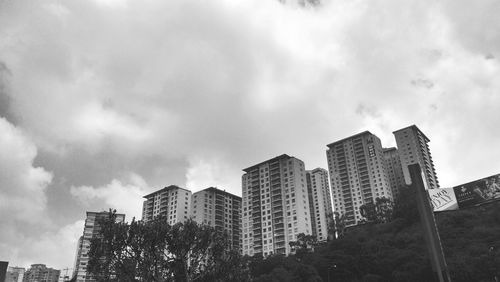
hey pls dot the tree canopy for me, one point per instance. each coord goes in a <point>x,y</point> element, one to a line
<point>156,251</point>
<point>395,251</point>
<point>388,251</point>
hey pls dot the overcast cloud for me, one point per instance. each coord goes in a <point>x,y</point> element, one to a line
<point>102,102</point>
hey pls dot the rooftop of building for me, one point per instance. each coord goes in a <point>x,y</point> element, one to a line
<point>414,128</point>
<point>103,212</point>
<point>170,187</point>
<point>350,137</point>
<point>389,149</point>
<point>283,156</point>
<point>217,190</point>
<point>317,170</point>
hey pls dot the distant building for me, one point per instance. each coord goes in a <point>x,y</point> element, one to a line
<point>394,170</point>
<point>3,270</point>
<point>357,174</point>
<point>219,209</point>
<point>275,206</point>
<point>320,202</point>
<point>90,230</point>
<point>41,273</point>
<point>172,202</point>
<point>78,256</point>
<point>65,275</point>
<point>15,274</point>
<point>413,148</point>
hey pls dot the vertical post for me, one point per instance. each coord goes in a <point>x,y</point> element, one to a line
<point>428,223</point>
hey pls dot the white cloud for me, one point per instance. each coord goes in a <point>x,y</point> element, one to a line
<point>57,249</point>
<point>23,199</point>
<point>212,171</point>
<point>23,186</point>
<point>124,197</point>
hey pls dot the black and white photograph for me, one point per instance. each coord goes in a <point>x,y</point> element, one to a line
<point>249,140</point>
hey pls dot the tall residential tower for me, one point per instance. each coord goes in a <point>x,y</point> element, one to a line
<point>413,149</point>
<point>172,202</point>
<point>320,202</point>
<point>275,206</point>
<point>357,174</point>
<point>394,170</point>
<point>219,209</point>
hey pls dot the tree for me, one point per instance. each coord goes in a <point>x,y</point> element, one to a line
<point>105,254</point>
<point>339,221</point>
<point>368,211</point>
<point>405,207</point>
<point>383,210</point>
<point>147,249</point>
<point>199,253</point>
<point>305,243</point>
<point>378,212</point>
<point>331,226</point>
<point>156,251</point>
<point>280,268</point>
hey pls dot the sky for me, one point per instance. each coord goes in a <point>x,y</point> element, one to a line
<point>105,101</point>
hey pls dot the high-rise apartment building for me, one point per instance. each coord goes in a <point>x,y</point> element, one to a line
<point>90,230</point>
<point>320,202</point>
<point>275,206</point>
<point>413,148</point>
<point>394,170</point>
<point>15,274</point>
<point>78,256</point>
<point>219,209</point>
<point>41,273</point>
<point>172,202</point>
<point>357,174</point>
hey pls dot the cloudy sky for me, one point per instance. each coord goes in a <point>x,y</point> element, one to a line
<point>104,101</point>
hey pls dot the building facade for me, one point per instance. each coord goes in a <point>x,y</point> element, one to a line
<point>413,148</point>
<point>394,170</point>
<point>320,202</point>
<point>90,230</point>
<point>275,206</point>
<point>219,209</point>
<point>15,274</point>
<point>3,269</point>
<point>172,202</point>
<point>357,174</point>
<point>41,273</point>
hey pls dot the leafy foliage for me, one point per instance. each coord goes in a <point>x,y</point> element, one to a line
<point>392,251</point>
<point>395,251</point>
<point>378,212</point>
<point>156,251</point>
<point>304,244</point>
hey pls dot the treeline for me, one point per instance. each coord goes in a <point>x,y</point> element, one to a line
<point>390,251</point>
<point>156,251</point>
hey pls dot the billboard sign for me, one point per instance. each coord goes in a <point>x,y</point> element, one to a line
<point>443,199</point>
<point>470,194</point>
<point>478,192</point>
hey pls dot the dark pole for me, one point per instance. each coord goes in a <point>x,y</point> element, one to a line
<point>428,223</point>
<point>491,251</point>
<point>330,268</point>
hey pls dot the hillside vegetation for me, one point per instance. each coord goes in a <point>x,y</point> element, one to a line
<point>396,251</point>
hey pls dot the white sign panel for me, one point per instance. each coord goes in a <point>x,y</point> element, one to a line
<point>443,199</point>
